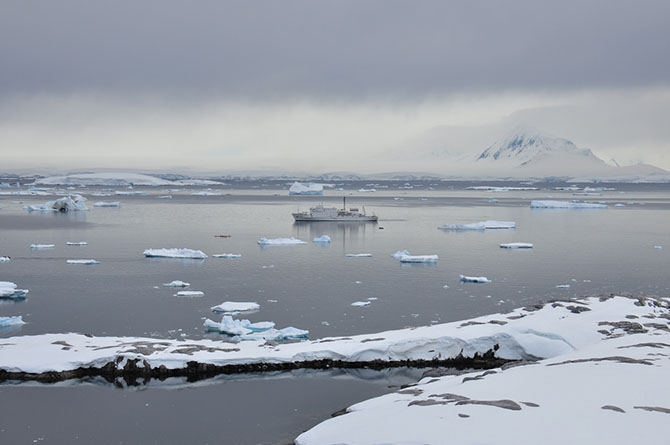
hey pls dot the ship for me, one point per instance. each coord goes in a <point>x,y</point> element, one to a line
<point>321,213</point>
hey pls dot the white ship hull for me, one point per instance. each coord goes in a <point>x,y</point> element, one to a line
<point>300,217</point>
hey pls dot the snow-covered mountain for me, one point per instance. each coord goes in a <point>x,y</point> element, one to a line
<point>533,154</point>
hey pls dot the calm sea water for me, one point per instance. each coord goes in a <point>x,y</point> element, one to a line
<point>309,286</point>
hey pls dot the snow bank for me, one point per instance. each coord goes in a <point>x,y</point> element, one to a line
<point>516,246</point>
<point>418,258</point>
<point>280,241</point>
<point>65,204</point>
<point>228,255</point>
<point>91,261</point>
<point>466,279</point>
<point>107,204</point>
<point>110,178</point>
<point>236,306</point>
<point>481,225</point>
<point>175,253</point>
<point>177,283</point>
<point>309,188</point>
<point>566,205</point>
<point>322,239</point>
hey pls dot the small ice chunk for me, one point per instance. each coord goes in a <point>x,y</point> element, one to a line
<point>280,241</point>
<point>89,261</point>
<point>400,254</point>
<point>165,197</point>
<point>228,255</point>
<point>177,283</point>
<point>4,259</point>
<point>563,286</point>
<point>9,290</point>
<point>364,190</point>
<point>658,247</point>
<point>359,255</point>
<point>619,205</point>
<point>360,303</point>
<point>6,322</point>
<point>42,246</point>
<point>516,246</point>
<point>175,253</point>
<point>322,239</point>
<point>107,204</point>
<point>482,225</point>
<point>419,258</point>
<point>228,326</point>
<point>76,243</point>
<point>565,205</point>
<point>190,293</point>
<point>236,306</point>
<point>466,279</point>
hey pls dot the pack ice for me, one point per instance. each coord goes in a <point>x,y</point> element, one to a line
<point>175,253</point>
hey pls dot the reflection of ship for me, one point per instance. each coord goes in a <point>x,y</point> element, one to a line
<point>321,213</point>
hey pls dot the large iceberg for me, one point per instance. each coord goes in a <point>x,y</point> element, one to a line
<point>9,290</point>
<point>566,205</point>
<point>482,225</point>
<point>280,241</point>
<point>65,204</point>
<point>175,253</point>
<point>236,306</point>
<point>309,188</point>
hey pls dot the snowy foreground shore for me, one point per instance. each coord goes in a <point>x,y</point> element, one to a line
<point>590,371</point>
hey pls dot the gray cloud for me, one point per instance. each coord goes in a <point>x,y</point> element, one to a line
<point>337,49</point>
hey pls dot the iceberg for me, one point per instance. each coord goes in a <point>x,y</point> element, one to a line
<point>130,193</point>
<point>280,241</point>
<point>516,246</point>
<point>107,204</point>
<point>360,303</point>
<point>42,246</point>
<point>322,239</point>
<point>4,259</point>
<point>466,279</point>
<point>418,258</point>
<point>76,243</point>
<point>364,190</point>
<point>359,255</point>
<point>482,225</point>
<point>399,254</point>
<point>563,286</point>
<point>228,255</point>
<point>175,253</point>
<point>65,204</point>
<point>91,261</point>
<point>245,330</point>
<point>655,247</point>
<point>9,290</point>
<point>6,322</point>
<point>309,188</point>
<point>190,293</point>
<point>165,197</point>
<point>177,283</point>
<point>236,306</point>
<point>566,205</point>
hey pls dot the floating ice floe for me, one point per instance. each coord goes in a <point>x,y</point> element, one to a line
<point>466,279</point>
<point>247,331</point>
<point>236,306</point>
<point>360,303</point>
<point>107,204</point>
<point>418,258</point>
<point>359,255</point>
<point>619,205</point>
<point>165,197</point>
<point>309,188</point>
<point>90,261</point>
<point>399,254</point>
<point>563,286</point>
<point>65,204</point>
<point>323,239</point>
<point>9,290</point>
<point>566,205</point>
<point>364,190</point>
<point>280,241</point>
<point>482,225</point>
<point>6,322</point>
<point>130,193</point>
<point>516,246</point>
<point>658,247</point>
<point>175,253</point>
<point>76,243</point>
<point>42,246</point>
<point>228,255</point>
<point>177,283</point>
<point>4,259</point>
<point>190,293</point>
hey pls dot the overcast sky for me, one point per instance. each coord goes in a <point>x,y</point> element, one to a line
<point>321,86</point>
